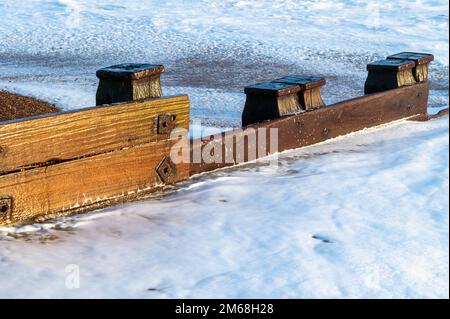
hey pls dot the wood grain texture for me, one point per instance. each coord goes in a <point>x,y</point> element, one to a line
<point>71,135</point>
<point>86,183</point>
<point>311,99</point>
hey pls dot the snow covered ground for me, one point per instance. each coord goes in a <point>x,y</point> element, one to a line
<point>360,216</point>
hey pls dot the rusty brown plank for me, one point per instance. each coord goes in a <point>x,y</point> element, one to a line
<point>339,119</point>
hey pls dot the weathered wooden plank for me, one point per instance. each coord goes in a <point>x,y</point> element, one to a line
<point>319,125</point>
<point>86,183</point>
<point>71,135</point>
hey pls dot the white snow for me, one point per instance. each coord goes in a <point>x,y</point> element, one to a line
<point>364,215</point>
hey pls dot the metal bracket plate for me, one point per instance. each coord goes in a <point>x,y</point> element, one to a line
<point>166,123</point>
<point>167,170</point>
<point>6,207</point>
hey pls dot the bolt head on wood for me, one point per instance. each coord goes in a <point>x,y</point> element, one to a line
<point>166,123</point>
<point>167,170</point>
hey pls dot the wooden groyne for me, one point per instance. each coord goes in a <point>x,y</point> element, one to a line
<point>70,162</point>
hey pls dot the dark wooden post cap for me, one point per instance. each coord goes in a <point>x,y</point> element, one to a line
<point>391,65</point>
<point>271,88</point>
<point>128,82</point>
<point>418,58</point>
<point>309,95</point>
<point>389,74</point>
<point>130,71</point>
<point>269,100</point>
<point>305,82</point>
<point>281,97</point>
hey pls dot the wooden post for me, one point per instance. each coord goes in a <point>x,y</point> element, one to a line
<point>309,94</point>
<point>268,101</point>
<point>421,60</point>
<point>129,82</point>
<point>388,74</point>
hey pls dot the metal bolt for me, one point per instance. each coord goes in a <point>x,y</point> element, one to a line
<point>166,123</point>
